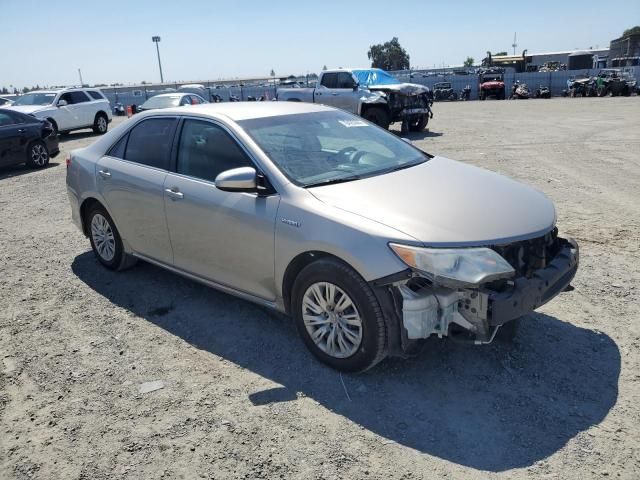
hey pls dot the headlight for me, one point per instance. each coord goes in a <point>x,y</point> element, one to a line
<point>457,267</point>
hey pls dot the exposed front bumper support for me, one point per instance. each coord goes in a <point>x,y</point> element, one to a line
<point>528,294</point>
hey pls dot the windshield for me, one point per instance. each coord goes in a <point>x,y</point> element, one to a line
<point>492,78</point>
<point>314,149</point>
<point>35,99</point>
<point>162,102</point>
<point>375,76</point>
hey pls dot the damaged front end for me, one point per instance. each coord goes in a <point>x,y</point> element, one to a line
<point>408,102</point>
<point>422,301</point>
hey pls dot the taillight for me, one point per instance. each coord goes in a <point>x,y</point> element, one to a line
<point>68,161</point>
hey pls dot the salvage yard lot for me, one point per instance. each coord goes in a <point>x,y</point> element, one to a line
<point>237,395</point>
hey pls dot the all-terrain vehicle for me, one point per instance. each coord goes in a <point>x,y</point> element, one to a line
<point>444,91</point>
<point>543,92</point>
<point>491,84</point>
<point>614,82</point>
<point>519,91</point>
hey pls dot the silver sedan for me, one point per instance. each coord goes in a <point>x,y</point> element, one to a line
<point>369,243</point>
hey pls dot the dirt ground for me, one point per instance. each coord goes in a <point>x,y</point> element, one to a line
<point>241,397</point>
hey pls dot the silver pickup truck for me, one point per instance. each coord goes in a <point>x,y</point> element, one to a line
<point>371,93</point>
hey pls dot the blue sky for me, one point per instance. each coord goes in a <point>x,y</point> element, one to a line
<point>46,42</point>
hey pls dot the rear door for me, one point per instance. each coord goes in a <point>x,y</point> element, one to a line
<point>131,179</point>
<point>226,237</point>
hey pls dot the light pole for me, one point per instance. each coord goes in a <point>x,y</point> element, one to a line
<point>156,40</point>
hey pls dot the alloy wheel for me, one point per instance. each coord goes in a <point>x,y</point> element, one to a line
<point>103,238</point>
<point>39,155</point>
<point>332,319</point>
<point>102,124</point>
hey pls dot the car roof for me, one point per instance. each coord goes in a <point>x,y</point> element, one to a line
<point>238,111</point>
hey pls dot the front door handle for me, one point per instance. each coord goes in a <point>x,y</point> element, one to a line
<point>105,174</point>
<point>21,130</point>
<point>174,193</point>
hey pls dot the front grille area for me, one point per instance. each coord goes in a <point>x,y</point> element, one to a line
<point>528,256</point>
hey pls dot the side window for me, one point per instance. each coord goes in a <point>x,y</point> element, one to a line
<point>6,119</point>
<point>79,97</point>
<point>345,80</point>
<point>74,97</point>
<point>186,100</point>
<point>150,142</point>
<point>205,150</point>
<point>95,95</point>
<point>117,150</point>
<point>329,80</point>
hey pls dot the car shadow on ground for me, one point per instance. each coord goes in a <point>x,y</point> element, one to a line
<point>77,135</point>
<point>417,135</point>
<point>493,407</point>
<point>17,170</point>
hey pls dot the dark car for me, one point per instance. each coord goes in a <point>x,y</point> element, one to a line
<point>26,139</point>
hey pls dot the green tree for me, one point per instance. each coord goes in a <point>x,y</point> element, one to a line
<point>500,54</point>
<point>631,31</point>
<point>324,68</point>
<point>469,62</point>
<point>389,56</point>
<point>272,73</point>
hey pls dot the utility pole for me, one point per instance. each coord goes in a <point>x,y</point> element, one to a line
<point>514,44</point>
<point>80,75</point>
<point>155,39</point>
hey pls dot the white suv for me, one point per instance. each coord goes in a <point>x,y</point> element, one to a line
<point>68,109</point>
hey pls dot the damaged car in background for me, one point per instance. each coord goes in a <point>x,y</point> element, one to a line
<point>371,93</point>
<point>369,243</point>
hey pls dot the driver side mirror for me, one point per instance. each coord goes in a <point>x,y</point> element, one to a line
<point>243,179</point>
<point>62,103</point>
<point>356,85</point>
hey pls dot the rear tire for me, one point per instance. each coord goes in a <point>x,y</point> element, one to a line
<point>37,155</point>
<point>105,240</point>
<point>100,124</point>
<point>359,327</point>
<point>377,115</point>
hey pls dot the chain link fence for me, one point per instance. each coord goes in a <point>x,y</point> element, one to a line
<point>556,81</point>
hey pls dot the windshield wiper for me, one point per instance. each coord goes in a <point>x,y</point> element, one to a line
<point>403,166</point>
<point>333,181</point>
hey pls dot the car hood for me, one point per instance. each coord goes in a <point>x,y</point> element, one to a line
<point>27,109</point>
<point>446,203</point>
<point>406,88</point>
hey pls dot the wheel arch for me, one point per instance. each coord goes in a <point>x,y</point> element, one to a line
<point>100,112</point>
<point>296,265</point>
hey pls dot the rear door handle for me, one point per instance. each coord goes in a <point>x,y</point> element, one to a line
<point>105,174</point>
<point>174,194</point>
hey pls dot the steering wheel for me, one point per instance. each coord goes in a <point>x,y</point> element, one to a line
<point>348,151</point>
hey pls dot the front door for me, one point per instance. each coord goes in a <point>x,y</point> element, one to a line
<point>131,180</point>
<point>226,237</point>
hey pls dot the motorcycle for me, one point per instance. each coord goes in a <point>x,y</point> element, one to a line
<point>465,93</point>
<point>119,110</point>
<point>543,92</point>
<point>519,90</point>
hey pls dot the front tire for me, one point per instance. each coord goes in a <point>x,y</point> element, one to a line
<point>419,124</point>
<point>105,240</point>
<point>338,316</point>
<point>377,115</point>
<point>100,124</point>
<point>37,155</point>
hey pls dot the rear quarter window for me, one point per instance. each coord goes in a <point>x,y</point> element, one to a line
<point>95,95</point>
